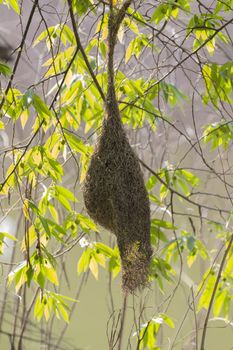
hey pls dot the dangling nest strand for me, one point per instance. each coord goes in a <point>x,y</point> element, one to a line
<point>116,198</point>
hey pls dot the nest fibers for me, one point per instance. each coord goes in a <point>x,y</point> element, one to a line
<point>116,198</point>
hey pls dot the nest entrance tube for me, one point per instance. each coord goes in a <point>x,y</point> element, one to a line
<point>114,191</point>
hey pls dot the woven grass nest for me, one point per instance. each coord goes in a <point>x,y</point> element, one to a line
<point>114,191</point>
<point>116,198</point>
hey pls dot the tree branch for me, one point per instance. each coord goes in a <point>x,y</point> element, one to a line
<point>79,45</point>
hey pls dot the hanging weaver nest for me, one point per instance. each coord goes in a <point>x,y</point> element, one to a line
<point>116,198</point>
<point>115,195</point>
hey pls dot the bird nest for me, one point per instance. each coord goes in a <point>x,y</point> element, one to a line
<point>116,198</point>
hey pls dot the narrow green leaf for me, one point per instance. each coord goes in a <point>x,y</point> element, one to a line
<point>76,143</point>
<point>7,235</point>
<point>5,69</point>
<point>84,260</point>
<point>65,193</point>
<point>15,5</point>
<point>85,222</point>
<point>103,248</point>
<point>40,106</point>
<point>94,267</point>
<point>41,279</point>
<point>151,182</point>
<point>164,224</point>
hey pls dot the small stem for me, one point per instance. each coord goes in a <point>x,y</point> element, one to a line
<point>121,332</point>
<point>26,320</point>
<point>214,292</point>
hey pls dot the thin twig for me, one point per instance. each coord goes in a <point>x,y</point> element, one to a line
<point>214,292</point>
<point>20,49</point>
<point>26,319</point>
<point>123,314</point>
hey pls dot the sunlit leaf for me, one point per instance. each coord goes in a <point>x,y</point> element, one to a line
<point>84,261</point>
<point>5,69</point>
<point>94,267</point>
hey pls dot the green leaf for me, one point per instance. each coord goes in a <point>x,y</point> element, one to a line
<point>28,203</point>
<point>148,335</point>
<point>183,185</point>
<point>94,267</point>
<point>164,224</point>
<point>151,183</point>
<point>64,192</point>
<point>156,200</point>
<point>67,34</point>
<point>159,14</point>
<point>131,24</point>
<point>19,275</point>
<point>20,278</point>
<point>220,134</point>
<point>53,212</point>
<point>63,312</point>
<point>114,265</point>
<point>56,169</point>
<point>85,222</point>
<point>4,235</point>
<point>81,6</point>
<point>161,269</point>
<point>100,258</point>
<point>41,279</point>
<point>45,225</point>
<point>5,69</point>
<point>84,261</point>
<point>206,295</point>
<point>39,308</point>
<point>15,5</point>
<point>129,51</point>
<point>167,320</point>
<point>50,273</point>
<point>7,235</point>
<point>52,301</point>
<point>76,144</point>
<point>136,14</point>
<point>103,248</point>
<point>40,106</point>
<point>62,297</point>
<point>64,202</point>
<point>192,179</point>
<point>48,32</point>
<point>56,230</point>
<point>163,192</point>
<point>24,117</point>
<point>219,302</point>
<point>29,274</point>
<point>157,235</point>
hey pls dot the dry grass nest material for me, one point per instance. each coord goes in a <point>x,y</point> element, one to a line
<point>116,198</point>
